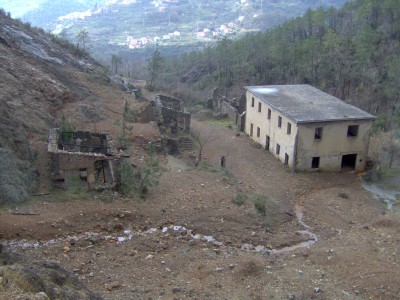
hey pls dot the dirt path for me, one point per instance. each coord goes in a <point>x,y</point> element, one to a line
<point>130,249</point>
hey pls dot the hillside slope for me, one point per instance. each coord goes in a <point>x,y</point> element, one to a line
<point>39,80</point>
<point>351,53</point>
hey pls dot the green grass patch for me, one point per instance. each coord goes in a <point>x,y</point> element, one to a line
<point>209,167</point>
<point>75,193</point>
<point>225,122</point>
<point>227,176</point>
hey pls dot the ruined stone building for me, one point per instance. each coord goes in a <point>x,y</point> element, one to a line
<point>234,109</point>
<point>82,159</point>
<point>170,113</point>
<point>308,129</point>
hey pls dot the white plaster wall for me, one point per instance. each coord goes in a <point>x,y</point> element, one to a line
<point>270,127</point>
<point>334,144</point>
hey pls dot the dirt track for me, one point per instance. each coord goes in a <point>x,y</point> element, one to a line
<point>357,254</point>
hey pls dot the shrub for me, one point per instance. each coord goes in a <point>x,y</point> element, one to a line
<point>240,199</point>
<point>66,130</point>
<point>260,204</point>
<point>149,175</point>
<point>127,178</point>
<point>138,93</point>
<point>139,180</point>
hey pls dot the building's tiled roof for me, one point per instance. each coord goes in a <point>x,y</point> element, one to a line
<point>306,104</point>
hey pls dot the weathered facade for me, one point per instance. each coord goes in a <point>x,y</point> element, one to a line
<point>235,109</point>
<point>308,129</point>
<point>170,113</point>
<point>81,160</point>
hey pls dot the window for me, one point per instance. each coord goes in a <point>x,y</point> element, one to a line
<point>352,130</point>
<point>252,101</point>
<point>315,163</point>
<point>251,129</point>
<point>258,131</point>
<point>278,149</point>
<point>286,159</point>
<point>279,121</point>
<point>259,106</point>
<point>289,128</point>
<point>267,143</point>
<point>269,114</point>
<point>318,133</point>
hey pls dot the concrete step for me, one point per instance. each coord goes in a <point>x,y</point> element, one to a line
<point>185,144</point>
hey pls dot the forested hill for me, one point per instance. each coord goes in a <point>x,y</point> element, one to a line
<point>351,53</point>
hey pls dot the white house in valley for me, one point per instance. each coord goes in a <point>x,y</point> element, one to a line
<point>308,129</point>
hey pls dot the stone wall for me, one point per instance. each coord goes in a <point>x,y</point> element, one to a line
<point>73,170</point>
<point>170,102</point>
<point>228,109</point>
<point>75,166</point>
<point>234,109</point>
<point>175,120</point>
<point>169,112</point>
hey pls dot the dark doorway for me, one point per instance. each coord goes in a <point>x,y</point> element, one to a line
<point>315,163</point>
<point>286,159</point>
<point>267,143</point>
<point>349,161</point>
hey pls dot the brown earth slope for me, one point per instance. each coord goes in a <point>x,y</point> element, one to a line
<point>41,80</point>
<point>127,248</point>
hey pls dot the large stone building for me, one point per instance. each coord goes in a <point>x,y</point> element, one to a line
<point>308,129</point>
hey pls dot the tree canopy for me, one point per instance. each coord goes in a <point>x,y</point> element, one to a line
<point>351,53</point>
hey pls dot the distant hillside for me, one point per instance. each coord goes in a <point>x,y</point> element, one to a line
<point>40,76</point>
<point>46,14</point>
<point>131,25</point>
<point>351,53</point>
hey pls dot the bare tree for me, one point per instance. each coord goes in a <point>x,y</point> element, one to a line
<point>201,140</point>
<point>82,38</point>
<point>383,149</point>
<point>116,61</point>
<point>154,66</point>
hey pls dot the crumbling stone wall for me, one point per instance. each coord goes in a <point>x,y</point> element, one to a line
<point>234,109</point>
<point>175,120</point>
<point>67,169</point>
<point>228,109</point>
<point>170,102</point>
<point>81,157</point>
<point>169,112</point>
<point>84,141</point>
